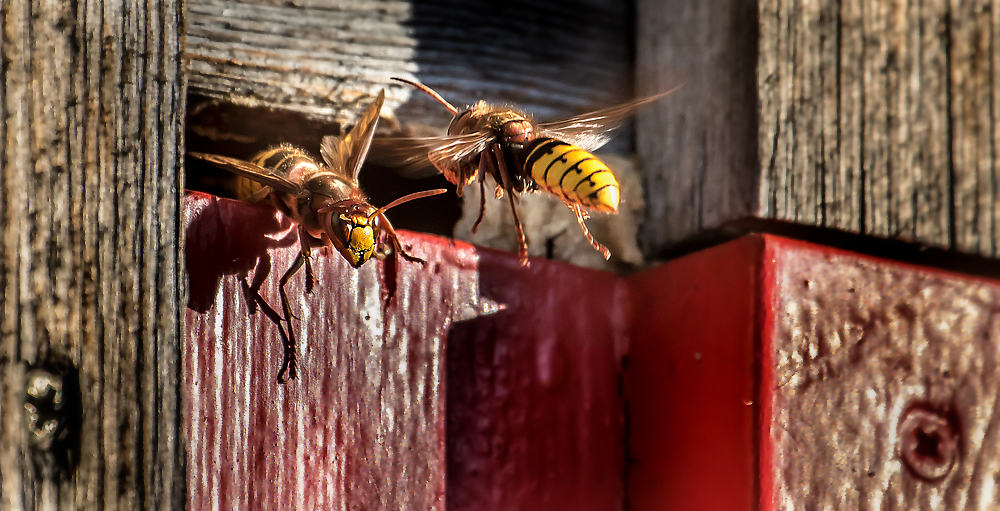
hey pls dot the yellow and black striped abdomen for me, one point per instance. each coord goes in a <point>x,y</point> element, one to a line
<point>281,160</point>
<point>577,175</point>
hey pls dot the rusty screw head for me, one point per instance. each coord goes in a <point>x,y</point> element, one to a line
<point>44,408</point>
<point>928,443</point>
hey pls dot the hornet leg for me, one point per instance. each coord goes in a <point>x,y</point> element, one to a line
<point>482,192</point>
<point>522,248</point>
<point>391,234</point>
<point>288,366</point>
<point>580,217</point>
<point>304,242</point>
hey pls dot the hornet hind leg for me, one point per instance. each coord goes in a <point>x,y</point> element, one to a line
<point>289,367</point>
<point>582,215</point>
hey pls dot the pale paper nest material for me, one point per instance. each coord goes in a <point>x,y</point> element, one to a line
<point>551,227</point>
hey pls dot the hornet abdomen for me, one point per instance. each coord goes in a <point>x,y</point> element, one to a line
<point>568,171</point>
<point>283,160</point>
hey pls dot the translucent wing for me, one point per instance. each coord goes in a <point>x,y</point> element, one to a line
<point>448,157</point>
<point>592,130</point>
<point>407,156</point>
<point>346,154</point>
<point>250,171</point>
<point>420,157</point>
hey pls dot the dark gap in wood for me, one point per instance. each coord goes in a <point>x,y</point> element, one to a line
<point>240,131</point>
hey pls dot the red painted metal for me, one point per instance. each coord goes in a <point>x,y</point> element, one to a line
<point>534,418</point>
<point>691,381</point>
<point>884,379</point>
<point>770,374</point>
<point>760,374</point>
<point>535,414</point>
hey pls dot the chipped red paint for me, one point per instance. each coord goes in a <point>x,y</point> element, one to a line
<point>473,383</point>
<point>363,427</point>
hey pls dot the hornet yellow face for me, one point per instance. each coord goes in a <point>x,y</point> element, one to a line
<point>353,226</point>
<point>355,235</point>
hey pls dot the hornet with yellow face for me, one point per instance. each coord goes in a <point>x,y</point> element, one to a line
<point>324,200</point>
<point>520,155</point>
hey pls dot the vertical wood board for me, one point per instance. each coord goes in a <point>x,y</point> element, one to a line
<point>697,148</point>
<point>874,118</point>
<point>90,131</point>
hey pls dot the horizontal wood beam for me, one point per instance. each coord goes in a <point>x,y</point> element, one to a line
<point>326,59</point>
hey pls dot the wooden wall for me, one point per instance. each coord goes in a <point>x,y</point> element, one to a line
<point>868,118</point>
<point>90,133</point>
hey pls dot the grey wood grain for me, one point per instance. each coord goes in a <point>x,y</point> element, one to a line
<point>327,58</point>
<point>698,146</point>
<point>90,118</point>
<point>871,117</point>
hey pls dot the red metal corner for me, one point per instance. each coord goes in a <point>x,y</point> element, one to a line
<point>529,397</point>
<point>691,381</point>
<point>761,374</point>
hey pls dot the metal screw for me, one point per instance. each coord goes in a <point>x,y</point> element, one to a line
<point>44,408</point>
<point>928,443</point>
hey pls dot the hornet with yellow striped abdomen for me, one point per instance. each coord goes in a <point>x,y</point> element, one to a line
<point>520,155</point>
<point>325,201</point>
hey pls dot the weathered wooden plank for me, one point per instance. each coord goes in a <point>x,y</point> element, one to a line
<point>697,147</point>
<point>874,118</point>
<point>972,79</point>
<point>321,57</point>
<point>91,112</point>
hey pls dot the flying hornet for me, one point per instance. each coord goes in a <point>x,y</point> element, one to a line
<point>520,155</point>
<point>324,200</point>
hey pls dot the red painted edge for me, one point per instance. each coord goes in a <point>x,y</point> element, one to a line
<point>692,381</point>
<point>765,398</point>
